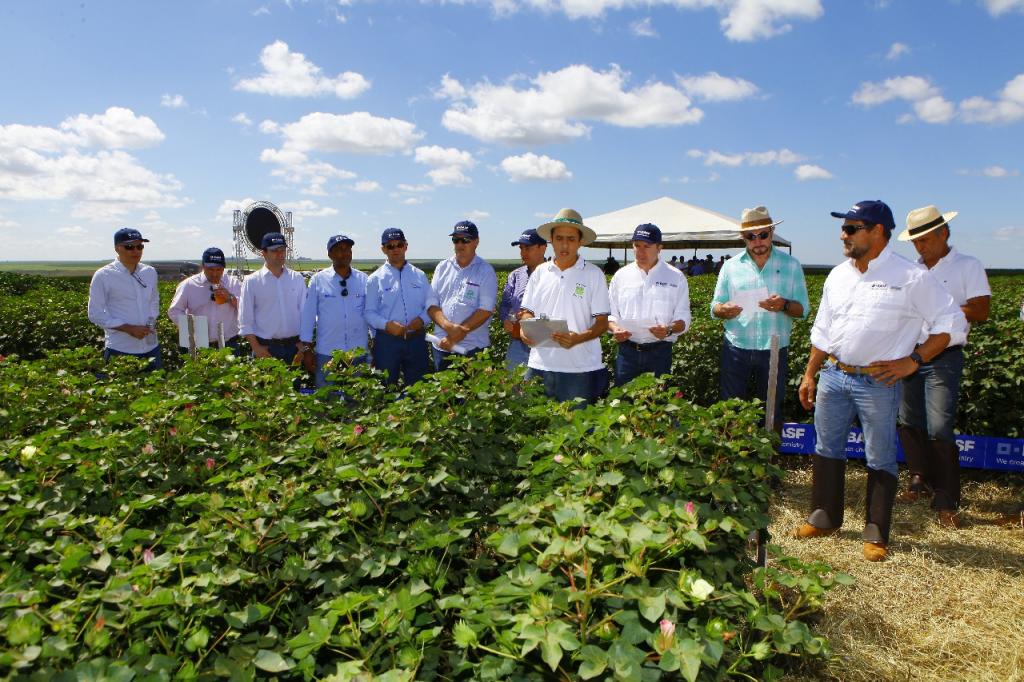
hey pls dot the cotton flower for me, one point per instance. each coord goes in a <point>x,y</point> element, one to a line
<point>666,636</point>
<point>358,429</point>
<point>210,463</point>
<point>148,449</point>
<point>172,431</point>
<point>691,508</point>
<point>668,628</point>
<point>147,556</point>
<point>558,459</point>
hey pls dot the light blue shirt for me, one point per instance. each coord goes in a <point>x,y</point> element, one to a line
<point>461,292</point>
<point>338,319</point>
<point>399,295</point>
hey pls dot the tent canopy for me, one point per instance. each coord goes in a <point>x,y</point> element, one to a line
<point>683,226</point>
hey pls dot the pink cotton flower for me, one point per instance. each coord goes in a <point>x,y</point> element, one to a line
<point>147,556</point>
<point>679,394</point>
<point>668,628</point>
<point>691,508</point>
<point>172,431</point>
<point>358,429</point>
<point>667,635</point>
<point>558,459</point>
<point>210,463</point>
<point>148,449</point>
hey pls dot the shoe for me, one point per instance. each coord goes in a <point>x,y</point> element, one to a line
<point>1011,520</point>
<point>949,519</point>
<point>875,551</point>
<point>806,530</point>
<point>916,490</point>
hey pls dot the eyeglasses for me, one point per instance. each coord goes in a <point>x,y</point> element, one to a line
<point>754,236</point>
<point>133,247</point>
<point>849,229</point>
<point>461,240</point>
<point>344,285</point>
<point>391,246</point>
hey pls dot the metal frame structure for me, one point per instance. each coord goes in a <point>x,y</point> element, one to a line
<point>242,244</point>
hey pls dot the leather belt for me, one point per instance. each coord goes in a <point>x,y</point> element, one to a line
<point>291,340</point>
<point>950,349</point>
<point>654,345</point>
<point>850,369</point>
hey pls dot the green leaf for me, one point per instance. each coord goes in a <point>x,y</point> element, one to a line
<point>271,661</point>
<point>464,635</point>
<point>594,661</point>
<point>687,652</point>
<point>652,607</point>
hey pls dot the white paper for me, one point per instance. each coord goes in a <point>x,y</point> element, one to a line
<point>637,327</point>
<point>748,299</point>
<point>436,340</point>
<point>200,333</point>
<point>540,331</point>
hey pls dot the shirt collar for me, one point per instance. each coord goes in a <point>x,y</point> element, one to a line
<point>949,257</point>
<point>876,262</point>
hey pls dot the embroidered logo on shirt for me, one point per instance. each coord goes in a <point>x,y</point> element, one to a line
<point>580,291</point>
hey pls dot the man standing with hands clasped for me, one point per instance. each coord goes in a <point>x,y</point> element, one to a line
<point>271,303</point>
<point>873,307</point>
<point>651,290</point>
<point>771,291</point>
<point>928,411</point>
<point>531,251</point>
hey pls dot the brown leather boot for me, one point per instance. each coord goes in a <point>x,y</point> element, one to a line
<point>827,503</point>
<point>946,465</point>
<point>881,494</point>
<point>916,451</point>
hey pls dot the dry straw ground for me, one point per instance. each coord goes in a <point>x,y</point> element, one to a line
<point>948,605</point>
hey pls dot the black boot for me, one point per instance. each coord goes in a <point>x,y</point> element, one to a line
<point>827,498</point>
<point>881,494</point>
<point>916,449</point>
<point>946,464</point>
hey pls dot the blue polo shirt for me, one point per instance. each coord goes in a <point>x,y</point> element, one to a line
<point>461,292</point>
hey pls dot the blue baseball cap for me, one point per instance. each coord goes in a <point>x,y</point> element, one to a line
<point>648,232</point>
<point>340,239</point>
<point>128,234</point>
<point>465,228</point>
<point>392,234</point>
<point>872,212</point>
<point>214,256</point>
<point>272,240</point>
<point>530,238</point>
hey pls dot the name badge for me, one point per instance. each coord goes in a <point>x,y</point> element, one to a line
<point>470,294</point>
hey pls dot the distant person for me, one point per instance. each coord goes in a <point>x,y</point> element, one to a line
<point>709,264</point>
<point>696,268</point>
<point>930,395</point>
<point>531,251</point>
<point>467,291</point>
<point>125,302</point>
<point>746,347</point>
<point>333,314</point>
<point>211,294</point>
<point>397,298</point>
<point>611,265</point>
<point>270,306</point>
<point>647,289</point>
<point>674,262</point>
<point>719,264</point>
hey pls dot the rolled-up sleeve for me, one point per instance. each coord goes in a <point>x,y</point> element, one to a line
<point>489,291</point>
<point>601,304</point>
<point>721,290</point>
<point>798,290</point>
<point>822,322</point>
<point>935,305</point>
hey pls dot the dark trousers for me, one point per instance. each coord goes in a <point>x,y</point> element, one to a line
<point>401,356</point>
<point>635,359</point>
<point>155,359</point>
<point>562,386</point>
<point>441,357</point>
<point>739,364</point>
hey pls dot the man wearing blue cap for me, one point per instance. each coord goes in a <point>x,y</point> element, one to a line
<point>467,290</point>
<point>647,290</point>
<point>125,302</point>
<point>213,295</point>
<point>270,305</point>
<point>531,251</point>
<point>864,341</point>
<point>397,298</point>
<point>335,303</point>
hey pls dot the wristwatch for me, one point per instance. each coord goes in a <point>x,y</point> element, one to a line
<point>916,357</point>
<point>785,306</point>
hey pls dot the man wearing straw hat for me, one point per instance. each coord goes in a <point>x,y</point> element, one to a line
<point>873,308</point>
<point>571,289</point>
<point>758,294</point>
<point>928,410</point>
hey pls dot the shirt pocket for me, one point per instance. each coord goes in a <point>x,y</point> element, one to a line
<point>888,308</point>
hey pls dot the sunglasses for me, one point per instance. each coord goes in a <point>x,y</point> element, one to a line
<point>391,246</point>
<point>753,236</point>
<point>133,247</point>
<point>344,285</point>
<point>849,229</point>
<point>461,240</point>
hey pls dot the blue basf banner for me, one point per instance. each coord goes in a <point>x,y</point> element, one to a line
<point>976,452</point>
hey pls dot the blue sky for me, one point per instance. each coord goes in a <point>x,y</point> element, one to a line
<point>364,114</point>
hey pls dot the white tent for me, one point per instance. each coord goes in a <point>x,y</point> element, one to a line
<point>683,226</point>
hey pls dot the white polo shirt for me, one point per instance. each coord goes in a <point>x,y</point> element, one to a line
<point>576,295</point>
<point>964,278</point>
<point>270,307</point>
<point>118,297</point>
<point>661,295</point>
<point>878,314</point>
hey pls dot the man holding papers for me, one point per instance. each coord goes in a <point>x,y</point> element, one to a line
<point>650,304</point>
<point>566,291</point>
<point>757,295</point>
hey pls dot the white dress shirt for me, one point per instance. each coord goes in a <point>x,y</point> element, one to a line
<point>576,295</point>
<point>118,297</point>
<point>193,296</point>
<point>878,314</point>
<point>964,278</point>
<point>661,295</point>
<point>270,307</point>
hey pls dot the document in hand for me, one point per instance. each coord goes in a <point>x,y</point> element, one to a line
<point>540,331</point>
<point>748,299</point>
<point>435,340</point>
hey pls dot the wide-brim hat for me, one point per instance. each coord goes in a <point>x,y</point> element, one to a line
<point>756,218</point>
<point>923,220</point>
<point>568,218</point>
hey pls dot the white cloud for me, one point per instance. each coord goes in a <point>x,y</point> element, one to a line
<point>268,127</point>
<point>173,101</point>
<point>713,87</point>
<point>7,224</point>
<point>71,231</point>
<point>1008,108</point>
<point>779,157</point>
<point>366,186</point>
<point>555,105</point>
<point>928,104</point>
<point>228,207</point>
<point>415,188</point>
<point>241,119</point>
<point>261,11</point>
<point>449,165</point>
<point>1009,233</point>
<point>529,166</point>
<point>354,133</point>
<point>412,201</point>
<point>476,215</point>
<point>808,171</point>
<point>998,172</point>
<point>897,50</point>
<point>290,74</point>
<point>295,168</point>
<point>307,208</point>
<point>642,28</point>
<point>999,7</point>
<point>450,88</point>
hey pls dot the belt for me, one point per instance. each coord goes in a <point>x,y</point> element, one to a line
<point>278,342</point>
<point>950,349</point>
<point>850,369</point>
<point>653,345</point>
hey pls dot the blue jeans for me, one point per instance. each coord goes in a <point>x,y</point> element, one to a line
<point>840,398</point>
<point>632,361</point>
<point>738,364</point>
<point>441,357</point>
<point>155,360</point>
<point>321,379</point>
<point>401,356</point>
<point>930,395</point>
<point>285,352</point>
<point>518,354</point>
<point>563,386</point>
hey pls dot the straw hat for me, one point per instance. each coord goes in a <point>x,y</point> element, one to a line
<point>756,218</point>
<point>923,220</point>
<point>568,218</point>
